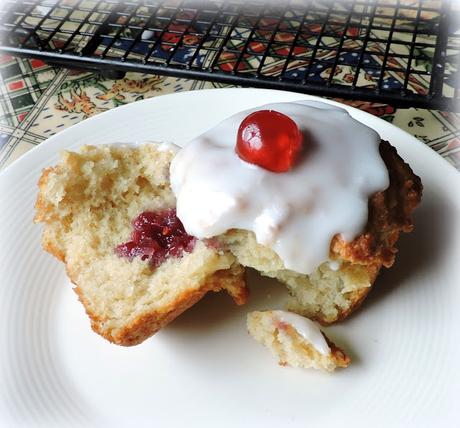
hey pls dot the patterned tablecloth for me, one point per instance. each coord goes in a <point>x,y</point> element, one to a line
<point>38,100</point>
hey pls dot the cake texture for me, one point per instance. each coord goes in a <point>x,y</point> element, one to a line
<point>290,347</point>
<point>336,288</point>
<point>87,204</point>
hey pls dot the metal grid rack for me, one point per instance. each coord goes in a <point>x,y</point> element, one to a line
<point>402,52</point>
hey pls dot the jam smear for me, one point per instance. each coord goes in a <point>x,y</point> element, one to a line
<point>270,140</point>
<point>157,236</point>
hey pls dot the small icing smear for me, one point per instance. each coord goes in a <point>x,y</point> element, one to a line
<point>295,213</point>
<point>306,328</point>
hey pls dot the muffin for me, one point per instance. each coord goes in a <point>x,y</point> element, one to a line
<point>301,192</point>
<point>87,204</point>
<point>295,341</point>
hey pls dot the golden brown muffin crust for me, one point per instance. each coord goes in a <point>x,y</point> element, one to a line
<point>389,214</point>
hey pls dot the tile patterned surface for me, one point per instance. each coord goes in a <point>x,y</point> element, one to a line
<point>38,100</point>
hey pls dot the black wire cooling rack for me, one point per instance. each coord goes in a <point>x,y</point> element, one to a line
<point>402,52</point>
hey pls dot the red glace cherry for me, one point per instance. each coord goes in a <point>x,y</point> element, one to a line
<point>270,140</point>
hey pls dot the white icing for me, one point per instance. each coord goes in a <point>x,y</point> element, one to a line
<point>296,213</point>
<point>306,328</point>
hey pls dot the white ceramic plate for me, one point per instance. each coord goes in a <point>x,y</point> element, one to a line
<point>204,370</point>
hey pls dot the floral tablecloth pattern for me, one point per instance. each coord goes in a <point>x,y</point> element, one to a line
<point>38,100</point>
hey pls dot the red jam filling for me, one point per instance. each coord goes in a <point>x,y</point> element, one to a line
<point>270,140</point>
<point>157,236</point>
